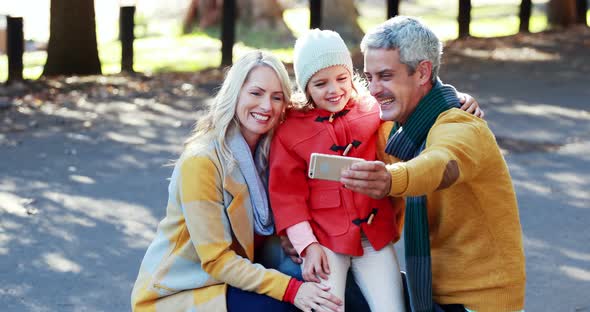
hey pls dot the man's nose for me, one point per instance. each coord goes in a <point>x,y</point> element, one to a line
<point>374,88</point>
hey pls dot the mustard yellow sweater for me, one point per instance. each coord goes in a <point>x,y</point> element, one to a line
<point>475,232</point>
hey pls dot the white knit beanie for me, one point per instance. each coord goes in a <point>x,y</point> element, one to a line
<point>316,50</point>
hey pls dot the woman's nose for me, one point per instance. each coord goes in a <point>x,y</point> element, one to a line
<point>266,103</point>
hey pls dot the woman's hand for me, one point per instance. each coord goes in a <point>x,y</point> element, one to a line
<point>316,263</point>
<point>315,297</point>
<point>470,105</point>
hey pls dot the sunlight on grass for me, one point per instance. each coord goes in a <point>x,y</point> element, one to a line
<point>33,63</point>
<point>487,20</point>
<point>160,48</point>
<point>156,54</point>
<point>297,19</point>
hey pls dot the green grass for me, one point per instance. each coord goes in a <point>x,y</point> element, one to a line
<point>486,20</point>
<point>162,49</point>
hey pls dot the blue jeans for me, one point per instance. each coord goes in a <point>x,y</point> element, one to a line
<point>241,300</point>
<point>272,256</point>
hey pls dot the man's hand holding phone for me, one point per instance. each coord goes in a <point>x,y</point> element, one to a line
<point>329,167</point>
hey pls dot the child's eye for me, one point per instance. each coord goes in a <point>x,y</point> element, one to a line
<point>319,84</point>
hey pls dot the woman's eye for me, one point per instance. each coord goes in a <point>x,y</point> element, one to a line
<point>255,93</point>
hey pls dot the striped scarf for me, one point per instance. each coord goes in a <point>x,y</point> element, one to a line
<point>406,142</point>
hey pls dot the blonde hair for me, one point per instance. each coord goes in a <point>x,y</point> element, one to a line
<point>221,113</point>
<point>302,101</point>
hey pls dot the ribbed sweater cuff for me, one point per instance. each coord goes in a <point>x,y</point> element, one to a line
<point>292,289</point>
<point>399,179</point>
<point>508,299</point>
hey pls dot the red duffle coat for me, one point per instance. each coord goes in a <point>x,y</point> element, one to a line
<point>335,213</point>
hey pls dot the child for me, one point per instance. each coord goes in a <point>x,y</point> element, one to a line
<point>333,228</point>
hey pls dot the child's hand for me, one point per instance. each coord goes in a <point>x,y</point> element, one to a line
<point>316,263</point>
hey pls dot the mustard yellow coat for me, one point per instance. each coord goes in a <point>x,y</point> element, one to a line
<point>205,242</point>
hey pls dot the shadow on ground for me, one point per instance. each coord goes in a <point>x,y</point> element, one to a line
<point>84,179</point>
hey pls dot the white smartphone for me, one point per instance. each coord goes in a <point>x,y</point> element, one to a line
<point>328,167</point>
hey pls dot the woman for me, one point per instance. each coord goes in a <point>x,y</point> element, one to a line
<point>202,256</point>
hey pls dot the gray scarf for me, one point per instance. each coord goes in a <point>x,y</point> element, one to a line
<point>250,168</point>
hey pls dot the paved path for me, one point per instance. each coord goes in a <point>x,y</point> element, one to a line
<point>83,184</point>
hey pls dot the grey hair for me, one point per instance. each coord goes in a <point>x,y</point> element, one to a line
<point>414,41</point>
<point>222,111</point>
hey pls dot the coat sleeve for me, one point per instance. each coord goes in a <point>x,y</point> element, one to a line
<point>288,189</point>
<point>454,153</point>
<point>201,197</point>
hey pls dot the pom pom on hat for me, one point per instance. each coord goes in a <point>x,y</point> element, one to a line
<point>316,50</point>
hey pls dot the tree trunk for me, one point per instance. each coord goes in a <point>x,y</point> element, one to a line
<point>256,15</point>
<point>561,13</point>
<point>72,48</point>
<point>262,15</point>
<point>341,17</point>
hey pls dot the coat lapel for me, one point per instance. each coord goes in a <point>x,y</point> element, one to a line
<point>239,210</point>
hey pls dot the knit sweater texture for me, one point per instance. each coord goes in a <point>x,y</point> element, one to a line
<point>475,232</point>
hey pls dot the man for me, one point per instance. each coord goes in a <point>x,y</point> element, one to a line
<point>462,230</point>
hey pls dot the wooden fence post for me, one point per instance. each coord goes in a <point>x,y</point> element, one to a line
<point>525,15</point>
<point>127,36</point>
<point>581,9</point>
<point>315,14</point>
<point>392,8</point>
<point>228,32</point>
<point>15,48</point>
<point>464,18</point>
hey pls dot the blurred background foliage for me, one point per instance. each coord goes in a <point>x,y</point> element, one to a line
<point>161,45</point>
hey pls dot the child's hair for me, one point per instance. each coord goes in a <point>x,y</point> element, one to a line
<point>314,51</point>
<point>221,114</point>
